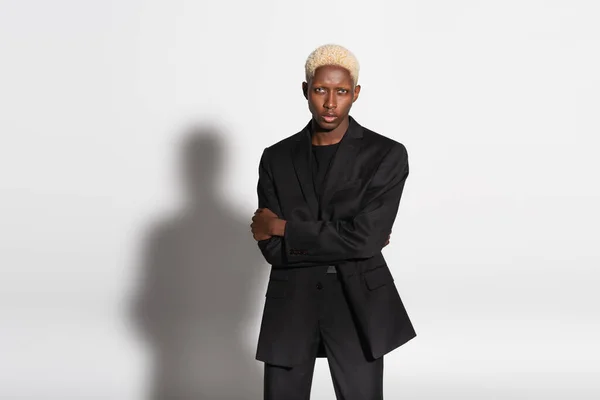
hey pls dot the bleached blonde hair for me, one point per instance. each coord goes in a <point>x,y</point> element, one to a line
<point>331,54</point>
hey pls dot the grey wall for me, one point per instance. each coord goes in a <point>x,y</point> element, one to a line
<point>131,134</point>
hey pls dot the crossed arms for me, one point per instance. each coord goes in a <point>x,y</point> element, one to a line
<point>311,243</point>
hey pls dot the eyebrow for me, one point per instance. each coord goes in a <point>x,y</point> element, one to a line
<point>337,87</point>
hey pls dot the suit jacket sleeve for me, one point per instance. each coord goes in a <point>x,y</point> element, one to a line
<point>273,249</point>
<point>362,236</point>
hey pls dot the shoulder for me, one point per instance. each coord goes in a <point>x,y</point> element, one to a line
<point>284,146</point>
<point>285,143</point>
<point>384,144</point>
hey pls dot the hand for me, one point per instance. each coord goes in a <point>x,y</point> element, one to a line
<point>262,223</point>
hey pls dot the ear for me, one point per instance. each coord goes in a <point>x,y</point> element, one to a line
<point>356,92</point>
<point>305,90</point>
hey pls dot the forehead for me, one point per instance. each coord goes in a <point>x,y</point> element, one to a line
<point>332,74</point>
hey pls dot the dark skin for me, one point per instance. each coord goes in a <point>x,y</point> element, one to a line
<point>330,94</point>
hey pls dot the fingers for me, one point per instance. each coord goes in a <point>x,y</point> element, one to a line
<point>258,220</point>
<point>257,236</point>
<point>261,237</point>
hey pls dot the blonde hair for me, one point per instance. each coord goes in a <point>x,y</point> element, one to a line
<point>331,54</point>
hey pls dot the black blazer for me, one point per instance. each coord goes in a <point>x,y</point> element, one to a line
<point>360,201</point>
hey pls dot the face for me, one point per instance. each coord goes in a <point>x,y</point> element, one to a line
<point>330,94</point>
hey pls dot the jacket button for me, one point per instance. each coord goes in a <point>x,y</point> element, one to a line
<point>319,285</point>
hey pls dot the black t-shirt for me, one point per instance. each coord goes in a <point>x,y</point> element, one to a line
<point>322,156</point>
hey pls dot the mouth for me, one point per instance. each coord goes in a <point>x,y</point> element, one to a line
<point>329,117</point>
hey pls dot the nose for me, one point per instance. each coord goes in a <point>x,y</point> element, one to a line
<point>330,102</point>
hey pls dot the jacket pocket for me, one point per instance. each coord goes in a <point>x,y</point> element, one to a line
<point>277,289</point>
<point>378,277</point>
<point>279,275</point>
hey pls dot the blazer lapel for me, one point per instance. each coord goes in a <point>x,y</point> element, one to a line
<point>302,160</point>
<point>340,168</point>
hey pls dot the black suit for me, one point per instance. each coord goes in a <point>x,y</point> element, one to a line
<point>360,200</point>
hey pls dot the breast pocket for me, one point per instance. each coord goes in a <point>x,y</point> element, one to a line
<point>348,190</point>
<point>353,184</point>
<point>345,201</point>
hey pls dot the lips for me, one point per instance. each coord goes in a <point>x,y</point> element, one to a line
<point>329,117</point>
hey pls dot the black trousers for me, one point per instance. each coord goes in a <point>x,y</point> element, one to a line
<point>354,377</point>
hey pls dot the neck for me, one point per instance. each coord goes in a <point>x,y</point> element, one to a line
<point>322,137</point>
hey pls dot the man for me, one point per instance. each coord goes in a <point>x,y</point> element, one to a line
<point>328,197</point>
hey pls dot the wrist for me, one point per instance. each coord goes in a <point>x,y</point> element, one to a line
<point>277,227</point>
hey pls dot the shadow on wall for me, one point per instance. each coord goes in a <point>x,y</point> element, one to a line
<point>201,270</point>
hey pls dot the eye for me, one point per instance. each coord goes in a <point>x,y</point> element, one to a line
<point>319,90</point>
<point>343,91</point>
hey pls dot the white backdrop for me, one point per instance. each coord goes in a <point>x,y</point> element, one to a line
<point>495,248</point>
